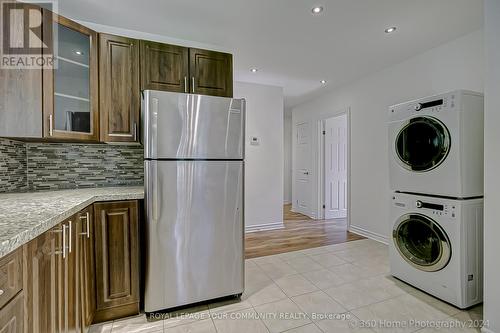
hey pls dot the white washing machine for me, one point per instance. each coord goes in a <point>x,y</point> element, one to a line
<point>437,246</point>
<point>436,145</point>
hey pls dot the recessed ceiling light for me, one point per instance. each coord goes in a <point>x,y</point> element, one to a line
<point>389,30</point>
<point>254,70</point>
<point>322,81</point>
<point>317,9</point>
<point>79,52</point>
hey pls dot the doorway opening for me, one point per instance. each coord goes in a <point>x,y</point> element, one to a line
<point>320,176</point>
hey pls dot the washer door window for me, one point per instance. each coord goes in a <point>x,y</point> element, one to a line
<point>422,242</point>
<point>422,144</point>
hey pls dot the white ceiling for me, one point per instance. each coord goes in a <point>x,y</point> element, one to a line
<point>291,47</point>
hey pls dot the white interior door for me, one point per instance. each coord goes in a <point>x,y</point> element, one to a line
<point>336,167</point>
<point>303,168</point>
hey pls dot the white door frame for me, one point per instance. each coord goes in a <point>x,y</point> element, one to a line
<point>321,164</point>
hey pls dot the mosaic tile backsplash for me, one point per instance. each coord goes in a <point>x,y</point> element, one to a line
<point>53,166</point>
<point>13,171</point>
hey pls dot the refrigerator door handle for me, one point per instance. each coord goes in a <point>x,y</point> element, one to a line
<point>154,127</point>
<point>154,189</point>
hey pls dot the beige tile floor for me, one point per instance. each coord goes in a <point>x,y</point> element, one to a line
<point>337,288</point>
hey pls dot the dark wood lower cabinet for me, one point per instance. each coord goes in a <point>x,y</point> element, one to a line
<point>72,283</point>
<point>11,295</point>
<point>42,283</point>
<point>85,241</point>
<point>11,276</point>
<point>117,259</point>
<point>83,271</point>
<point>12,316</point>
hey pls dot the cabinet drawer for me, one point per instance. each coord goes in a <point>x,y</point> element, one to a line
<point>11,276</point>
<point>12,316</point>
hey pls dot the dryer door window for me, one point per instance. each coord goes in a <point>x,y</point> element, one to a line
<point>422,242</point>
<point>422,144</point>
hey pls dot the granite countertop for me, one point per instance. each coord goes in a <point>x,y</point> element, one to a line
<point>24,216</point>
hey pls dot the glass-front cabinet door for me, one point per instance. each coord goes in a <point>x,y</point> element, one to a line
<point>70,88</point>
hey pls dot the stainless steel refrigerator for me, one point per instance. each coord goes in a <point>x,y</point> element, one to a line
<point>193,160</point>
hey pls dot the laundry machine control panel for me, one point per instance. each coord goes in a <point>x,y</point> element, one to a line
<point>428,106</point>
<point>433,105</point>
<point>426,207</point>
<point>436,209</point>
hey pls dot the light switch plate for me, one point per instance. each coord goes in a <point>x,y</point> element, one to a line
<point>254,141</point>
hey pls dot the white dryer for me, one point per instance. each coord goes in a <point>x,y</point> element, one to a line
<point>437,246</point>
<point>436,145</point>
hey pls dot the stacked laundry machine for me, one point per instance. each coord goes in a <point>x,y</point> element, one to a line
<point>436,175</point>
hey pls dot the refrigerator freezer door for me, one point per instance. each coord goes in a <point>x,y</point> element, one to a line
<point>183,126</point>
<point>194,213</point>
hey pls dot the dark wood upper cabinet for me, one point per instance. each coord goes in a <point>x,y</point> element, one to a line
<point>211,72</point>
<point>119,88</point>
<point>93,91</point>
<point>70,90</point>
<point>188,70</point>
<point>117,259</point>
<point>164,67</point>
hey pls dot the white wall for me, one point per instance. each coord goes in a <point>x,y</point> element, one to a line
<point>287,169</point>
<point>457,64</point>
<point>264,162</point>
<point>492,166</point>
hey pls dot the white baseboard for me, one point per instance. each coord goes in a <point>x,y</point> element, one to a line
<point>368,234</point>
<point>486,330</point>
<point>286,202</point>
<point>262,227</point>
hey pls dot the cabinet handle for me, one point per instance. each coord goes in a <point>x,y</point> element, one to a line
<point>69,235</point>
<point>185,84</point>
<point>63,231</point>
<point>135,131</point>
<point>51,131</point>
<point>192,80</point>
<point>87,219</point>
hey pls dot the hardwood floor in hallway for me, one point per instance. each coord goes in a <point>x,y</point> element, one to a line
<point>300,232</point>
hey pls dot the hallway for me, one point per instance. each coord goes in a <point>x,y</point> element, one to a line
<point>300,232</point>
